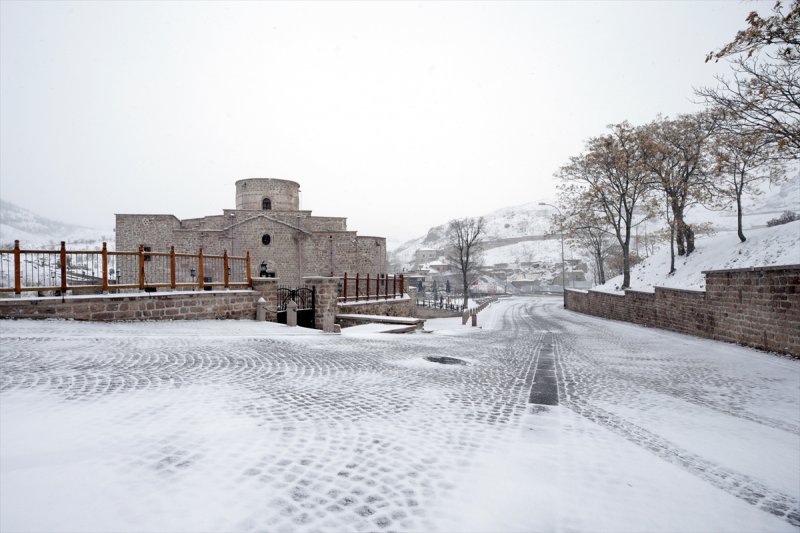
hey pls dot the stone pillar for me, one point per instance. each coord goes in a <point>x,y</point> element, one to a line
<point>267,288</point>
<point>261,309</point>
<point>412,304</point>
<point>291,313</point>
<point>327,301</point>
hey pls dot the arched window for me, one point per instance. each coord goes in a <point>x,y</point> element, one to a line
<point>266,239</point>
<point>266,204</point>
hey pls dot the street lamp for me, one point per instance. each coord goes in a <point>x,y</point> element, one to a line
<point>561,227</point>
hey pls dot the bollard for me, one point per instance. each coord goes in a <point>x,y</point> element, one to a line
<point>291,313</point>
<point>464,318</point>
<point>261,310</point>
<point>474,318</point>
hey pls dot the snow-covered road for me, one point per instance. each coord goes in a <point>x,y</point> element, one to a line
<point>241,426</point>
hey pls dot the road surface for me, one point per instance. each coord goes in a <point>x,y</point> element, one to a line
<point>556,421</point>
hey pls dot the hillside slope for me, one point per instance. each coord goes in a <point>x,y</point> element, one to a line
<point>36,231</point>
<point>779,245</point>
<point>523,234</point>
<point>511,235</point>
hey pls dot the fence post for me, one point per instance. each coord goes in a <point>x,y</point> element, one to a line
<point>386,286</point>
<point>357,286</point>
<point>17,269</point>
<point>367,286</point>
<point>105,268</point>
<point>141,267</point>
<point>344,288</point>
<point>172,283</point>
<point>200,268</point>
<point>394,286</point>
<point>225,274</point>
<point>63,268</point>
<point>249,274</point>
<point>402,285</point>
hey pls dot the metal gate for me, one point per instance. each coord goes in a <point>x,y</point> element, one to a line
<point>306,300</point>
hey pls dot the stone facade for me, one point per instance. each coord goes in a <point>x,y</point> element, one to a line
<point>269,224</point>
<point>758,307</point>
<point>157,306</point>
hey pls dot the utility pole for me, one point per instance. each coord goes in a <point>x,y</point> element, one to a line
<point>563,270</point>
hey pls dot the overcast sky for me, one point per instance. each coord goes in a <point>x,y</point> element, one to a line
<point>397,115</point>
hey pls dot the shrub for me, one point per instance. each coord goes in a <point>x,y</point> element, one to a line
<point>785,218</point>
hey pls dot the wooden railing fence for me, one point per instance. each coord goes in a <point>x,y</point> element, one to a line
<point>62,270</point>
<point>380,286</point>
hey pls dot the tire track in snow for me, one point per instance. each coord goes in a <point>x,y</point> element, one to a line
<point>576,388</point>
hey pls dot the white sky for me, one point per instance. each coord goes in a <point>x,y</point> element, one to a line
<point>397,115</point>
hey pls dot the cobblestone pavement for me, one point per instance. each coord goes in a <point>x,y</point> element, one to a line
<point>221,426</point>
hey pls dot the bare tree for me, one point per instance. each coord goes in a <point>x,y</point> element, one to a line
<point>764,94</point>
<point>740,161</point>
<point>778,31</point>
<point>677,154</point>
<point>464,239</point>
<point>588,229</point>
<point>613,177</point>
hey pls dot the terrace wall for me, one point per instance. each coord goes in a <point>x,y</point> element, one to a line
<point>757,307</point>
<point>395,307</point>
<point>237,304</point>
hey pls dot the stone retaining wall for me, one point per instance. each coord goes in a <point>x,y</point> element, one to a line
<point>758,307</point>
<point>397,307</point>
<point>240,304</point>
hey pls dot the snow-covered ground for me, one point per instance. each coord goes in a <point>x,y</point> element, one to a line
<point>778,245</point>
<point>245,426</point>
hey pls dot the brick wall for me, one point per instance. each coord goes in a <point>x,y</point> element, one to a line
<point>154,306</point>
<point>758,307</point>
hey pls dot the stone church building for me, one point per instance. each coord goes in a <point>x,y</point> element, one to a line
<point>269,224</point>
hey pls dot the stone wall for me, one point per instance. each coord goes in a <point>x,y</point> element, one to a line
<point>151,230</point>
<point>292,242</point>
<point>153,306</point>
<point>396,307</point>
<point>757,307</point>
<point>284,195</point>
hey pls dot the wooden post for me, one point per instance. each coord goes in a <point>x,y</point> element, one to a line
<point>394,286</point>
<point>17,269</point>
<point>105,268</point>
<point>63,268</point>
<point>367,286</point>
<point>141,267</point>
<point>200,268</point>
<point>402,284</point>
<point>225,274</point>
<point>356,286</point>
<point>386,286</point>
<point>344,287</point>
<point>249,273</point>
<point>172,283</point>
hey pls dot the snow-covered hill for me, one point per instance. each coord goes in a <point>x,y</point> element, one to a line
<point>520,235</point>
<point>36,231</point>
<point>778,245</point>
<point>513,234</point>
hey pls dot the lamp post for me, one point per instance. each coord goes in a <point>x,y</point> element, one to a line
<point>561,228</point>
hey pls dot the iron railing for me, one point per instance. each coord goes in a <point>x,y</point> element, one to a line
<point>375,287</point>
<point>110,271</point>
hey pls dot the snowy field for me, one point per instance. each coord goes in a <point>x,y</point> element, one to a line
<point>778,245</point>
<point>245,426</point>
